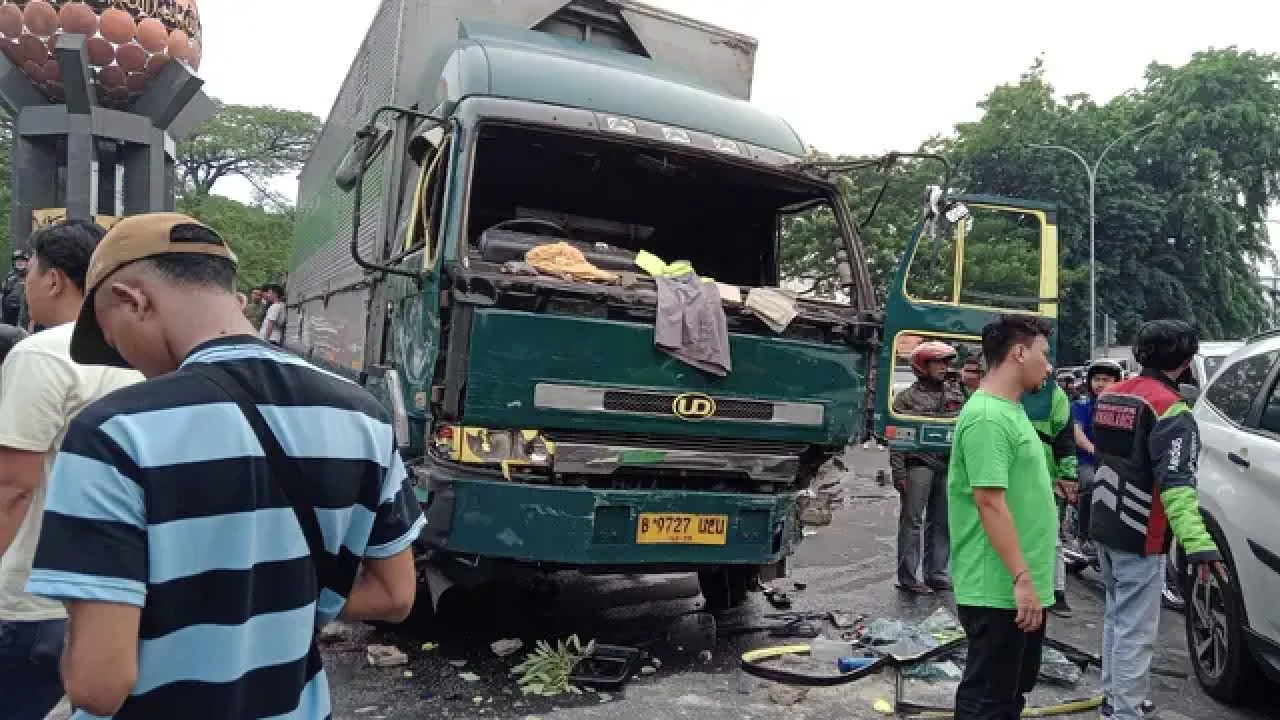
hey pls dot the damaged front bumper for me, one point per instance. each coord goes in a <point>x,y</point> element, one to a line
<point>582,458</point>
<point>474,512</point>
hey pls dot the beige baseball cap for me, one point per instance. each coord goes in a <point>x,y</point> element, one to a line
<point>132,239</point>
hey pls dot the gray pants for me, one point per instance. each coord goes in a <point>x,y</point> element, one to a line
<point>1130,628</point>
<point>922,528</point>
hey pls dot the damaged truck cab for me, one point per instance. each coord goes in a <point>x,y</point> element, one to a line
<point>543,425</point>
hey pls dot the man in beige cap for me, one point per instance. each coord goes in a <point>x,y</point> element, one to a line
<point>41,390</point>
<point>203,524</point>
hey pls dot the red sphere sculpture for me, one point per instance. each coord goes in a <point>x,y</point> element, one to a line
<point>129,41</point>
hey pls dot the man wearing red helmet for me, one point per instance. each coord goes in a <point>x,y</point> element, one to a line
<point>921,477</point>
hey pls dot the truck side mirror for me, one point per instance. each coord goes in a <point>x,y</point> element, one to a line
<point>353,164</point>
<point>367,144</point>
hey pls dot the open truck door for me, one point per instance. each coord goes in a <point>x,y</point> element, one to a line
<point>973,259</point>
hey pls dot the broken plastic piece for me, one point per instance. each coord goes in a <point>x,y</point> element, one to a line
<point>385,656</point>
<point>607,668</point>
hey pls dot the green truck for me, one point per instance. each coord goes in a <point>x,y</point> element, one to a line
<point>544,427</point>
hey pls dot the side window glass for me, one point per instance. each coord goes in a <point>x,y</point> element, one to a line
<point>424,226</point>
<point>991,259</point>
<point>932,273</point>
<point>808,241</point>
<point>1235,388</point>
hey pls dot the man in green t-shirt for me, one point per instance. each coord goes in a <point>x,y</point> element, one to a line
<point>1004,524</point>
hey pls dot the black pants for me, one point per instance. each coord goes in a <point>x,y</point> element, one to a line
<point>1001,665</point>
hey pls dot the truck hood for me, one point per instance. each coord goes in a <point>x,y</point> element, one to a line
<point>532,369</point>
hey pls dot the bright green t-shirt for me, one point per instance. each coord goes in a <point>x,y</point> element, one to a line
<point>996,446</point>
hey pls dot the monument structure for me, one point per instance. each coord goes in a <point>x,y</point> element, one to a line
<point>98,92</point>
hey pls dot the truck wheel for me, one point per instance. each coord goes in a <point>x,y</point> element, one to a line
<point>726,588</point>
<point>1214,619</point>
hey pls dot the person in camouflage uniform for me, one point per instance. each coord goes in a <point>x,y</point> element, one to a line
<point>921,477</point>
<point>255,308</point>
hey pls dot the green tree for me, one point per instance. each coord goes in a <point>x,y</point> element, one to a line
<point>1181,211</point>
<point>255,143</point>
<point>259,236</point>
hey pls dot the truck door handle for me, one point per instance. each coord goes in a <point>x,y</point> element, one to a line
<point>1238,459</point>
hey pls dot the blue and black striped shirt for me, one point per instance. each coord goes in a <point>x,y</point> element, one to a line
<point>161,498</point>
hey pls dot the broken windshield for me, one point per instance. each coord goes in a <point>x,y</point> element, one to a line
<point>614,199</point>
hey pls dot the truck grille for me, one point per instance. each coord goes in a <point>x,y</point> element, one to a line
<point>668,442</point>
<point>660,404</point>
<point>582,398</point>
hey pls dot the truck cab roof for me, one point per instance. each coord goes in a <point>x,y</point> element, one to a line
<point>508,62</point>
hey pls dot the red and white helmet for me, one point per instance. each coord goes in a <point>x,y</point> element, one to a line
<point>927,352</point>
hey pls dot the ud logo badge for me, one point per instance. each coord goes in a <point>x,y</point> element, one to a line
<point>693,406</point>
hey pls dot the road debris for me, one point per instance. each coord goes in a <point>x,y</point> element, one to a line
<point>503,648</point>
<point>815,508</point>
<point>546,670</point>
<point>946,670</point>
<point>777,597</point>
<point>332,633</point>
<point>385,656</point>
<point>843,620</point>
<point>787,695</point>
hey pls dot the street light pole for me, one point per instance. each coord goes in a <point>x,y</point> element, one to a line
<point>1091,171</point>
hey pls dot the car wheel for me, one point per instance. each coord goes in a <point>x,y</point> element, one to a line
<point>1214,621</point>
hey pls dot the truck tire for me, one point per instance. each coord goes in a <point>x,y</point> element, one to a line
<point>726,588</point>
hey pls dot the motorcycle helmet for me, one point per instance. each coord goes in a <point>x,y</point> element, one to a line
<point>927,352</point>
<point>1103,366</point>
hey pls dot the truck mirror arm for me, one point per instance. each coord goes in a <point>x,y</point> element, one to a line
<point>350,176</point>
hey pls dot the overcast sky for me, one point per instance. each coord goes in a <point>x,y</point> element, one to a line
<point>852,76</point>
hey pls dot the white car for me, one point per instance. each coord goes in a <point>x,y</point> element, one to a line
<point>1209,361</point>
<point>1233,627</point>
<point>1203,368</point>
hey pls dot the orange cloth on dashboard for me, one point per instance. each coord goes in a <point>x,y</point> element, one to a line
<point>565,261</point>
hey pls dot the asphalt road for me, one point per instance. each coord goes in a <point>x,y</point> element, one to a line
<point>847,566</point>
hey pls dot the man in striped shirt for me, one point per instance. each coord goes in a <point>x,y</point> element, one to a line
<point>202,525</point>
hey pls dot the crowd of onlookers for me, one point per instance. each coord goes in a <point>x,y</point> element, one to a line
<point>983,518</point>
<point>264,306</point>
<point>182,502</point>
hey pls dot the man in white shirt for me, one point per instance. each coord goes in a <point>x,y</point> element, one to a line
<point>272,329</point>
<point>41,390</point>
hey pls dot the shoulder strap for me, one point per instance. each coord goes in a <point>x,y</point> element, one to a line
<point>287,476</point>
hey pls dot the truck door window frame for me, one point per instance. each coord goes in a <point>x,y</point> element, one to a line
<point>423,229</point>
<point>1048,302</point>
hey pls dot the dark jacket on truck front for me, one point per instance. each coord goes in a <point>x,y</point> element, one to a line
<point>1147,445</point>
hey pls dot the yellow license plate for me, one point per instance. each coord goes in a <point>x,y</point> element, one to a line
<point>682,529</point>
